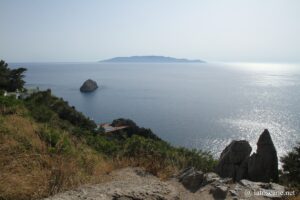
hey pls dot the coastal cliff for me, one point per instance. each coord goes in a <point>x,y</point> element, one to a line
<point>48,147</point>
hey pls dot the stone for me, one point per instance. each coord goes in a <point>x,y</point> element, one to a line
<point>89,86</point>
<point>232,159</point>
<point>233,192</point>
<point>263,165</point>
<point>219,191</point>
<point>251,185</point>
<point>210,178</point>
<point>277,187</point>
<point>132,184</point>
<point>267,190</point>
<point>226,180</point>
<point>191,179</point>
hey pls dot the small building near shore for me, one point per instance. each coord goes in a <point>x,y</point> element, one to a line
<point>114,131</point>
<point>109,129</point>
<point>21,94</point>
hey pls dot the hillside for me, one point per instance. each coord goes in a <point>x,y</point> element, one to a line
<point>150,59</point>
<point>46,147</point>
<point>40,159</point>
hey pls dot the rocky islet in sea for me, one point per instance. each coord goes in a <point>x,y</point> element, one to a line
<point>89,86</point>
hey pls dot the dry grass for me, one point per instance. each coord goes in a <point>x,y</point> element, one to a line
<point>156,168</point>
<point>29,171</point>
<point>297,197</point>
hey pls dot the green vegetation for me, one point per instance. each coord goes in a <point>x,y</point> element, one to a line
<point>136,143</point>
<point>61,143</point>
<point>134,129</point>
<point>291,167</point>
<point>44,106</point>
<point>11,79</point>
<point>157,155</point>
<point>38,159</point>
<point>9,105</point>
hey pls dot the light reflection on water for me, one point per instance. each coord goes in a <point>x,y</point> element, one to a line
<point>249,127</point>
<point>249,123</point>
<point>261,88</point>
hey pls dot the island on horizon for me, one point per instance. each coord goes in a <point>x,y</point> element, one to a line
<point>150,59</point>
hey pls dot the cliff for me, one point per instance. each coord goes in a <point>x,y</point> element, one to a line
<point>48,147</point>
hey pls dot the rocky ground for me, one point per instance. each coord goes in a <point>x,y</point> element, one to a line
<point>136,184</point>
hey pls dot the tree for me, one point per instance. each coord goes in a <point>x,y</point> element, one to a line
<point>16,79</point>
<point>11,79</point>
<point>4,74</point>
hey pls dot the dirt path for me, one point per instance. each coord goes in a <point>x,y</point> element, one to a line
<point>136,184</point>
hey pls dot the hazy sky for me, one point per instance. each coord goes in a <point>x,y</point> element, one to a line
<point>91,30</point>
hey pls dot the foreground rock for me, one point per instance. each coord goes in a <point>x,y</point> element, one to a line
<point>263,165</point>
<point>125,184</point>
<point>136,184</point>
<point>235,160</point>
<point>191,179</point>
<point>89,86</point>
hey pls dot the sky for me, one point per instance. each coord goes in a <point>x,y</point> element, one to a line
<point>92,30</point>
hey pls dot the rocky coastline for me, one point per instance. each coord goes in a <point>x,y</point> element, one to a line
<point>238,175</point>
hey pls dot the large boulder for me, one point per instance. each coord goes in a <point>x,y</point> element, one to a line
<point>210,177</point>
<point>232,159</point>
<point>263,165</point>
<point>219,191</point>
<point>89,86</point>
<point>191,179</point>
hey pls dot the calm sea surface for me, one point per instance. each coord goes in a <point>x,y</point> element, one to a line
<point>202,106</point>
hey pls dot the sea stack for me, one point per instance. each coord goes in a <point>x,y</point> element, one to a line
<point>232,160</point>
<point>263,165</point>
<point>89,86</point>
<point>235,161</point>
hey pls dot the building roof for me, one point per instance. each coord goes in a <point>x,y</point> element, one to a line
<point>108,128</point>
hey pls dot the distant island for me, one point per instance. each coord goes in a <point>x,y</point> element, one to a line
<point>150,59</point>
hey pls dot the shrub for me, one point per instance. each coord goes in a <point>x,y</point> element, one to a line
<point>44,102</point>
<point>9,105</point>
<point>57,142</point>
<point>291,166</point>
<point>2,92</point>
<point>133,129</point>
<point>160,153</point>
<point>103,145</point>
<point>42,113</point>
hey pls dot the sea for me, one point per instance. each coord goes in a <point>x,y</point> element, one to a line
<point>195,105</point>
